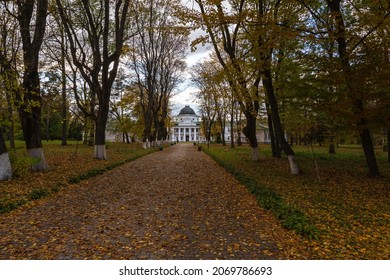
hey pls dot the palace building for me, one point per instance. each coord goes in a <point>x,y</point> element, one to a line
<point>186,126</point>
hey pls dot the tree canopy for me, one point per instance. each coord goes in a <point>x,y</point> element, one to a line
<point>308,70</point>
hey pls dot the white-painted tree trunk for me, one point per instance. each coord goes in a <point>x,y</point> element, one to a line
<point>255,153</point>
<point>5,167</point>
<point>147,144</point>
<point>143,145</point>
<point>100,152</point>
<point>41,164</point>
<point>293,165</point>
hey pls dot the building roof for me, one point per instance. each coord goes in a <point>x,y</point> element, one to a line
<point>187,110</point>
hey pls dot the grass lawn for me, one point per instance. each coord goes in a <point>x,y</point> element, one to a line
<point>67,165</point>
<point>349,210</point>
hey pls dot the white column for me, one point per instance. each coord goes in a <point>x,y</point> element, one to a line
<point>179,133</point>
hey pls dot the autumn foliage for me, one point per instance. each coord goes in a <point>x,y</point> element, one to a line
<point>67,165</point>
<point>345,212</point>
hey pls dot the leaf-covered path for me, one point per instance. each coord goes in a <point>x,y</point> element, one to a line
<point>173,204</point>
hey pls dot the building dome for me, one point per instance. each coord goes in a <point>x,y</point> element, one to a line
<point>187,110</point>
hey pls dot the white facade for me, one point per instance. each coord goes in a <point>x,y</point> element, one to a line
<point>262,134</point>
<point>186,126</point>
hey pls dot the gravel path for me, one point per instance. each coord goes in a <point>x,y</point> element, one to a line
<point>173,204</point>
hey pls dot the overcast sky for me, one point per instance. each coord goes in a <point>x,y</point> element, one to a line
<point>185,94</point>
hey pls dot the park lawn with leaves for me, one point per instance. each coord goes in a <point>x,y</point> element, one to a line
<point>67,165</point>
<point>348,211</point>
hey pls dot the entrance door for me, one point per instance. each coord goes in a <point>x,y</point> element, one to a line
<point>187,138</point>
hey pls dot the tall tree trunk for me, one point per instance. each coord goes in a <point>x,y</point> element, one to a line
<point>250,133</point>
<point>147,128</point>
<point>354,90</point>
<point>332,149</point>
<point>210,124</point>
<point>369,152</point>
<point>277,124</point>
<point>388,145</point>
<point>274,141</point>
<point>48,121</point>
<point>238,122</point>
<point>101,123</point>
<point>222,124</point>
<point>5,164</point>
<point>11,132</point>
<point>64,110</point>
<point>30,101</point>
<point>126,134</point>
<point>100,142</point>
<point>232,126</point>
<point>30,118</point>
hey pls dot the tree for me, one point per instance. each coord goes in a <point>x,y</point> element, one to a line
<point>121,121</point>
<point>56,56</point>
<point>244,34</point>
<point>215,95</point>
<point>133,113</point>
<point>9,61</point>
<point>353,29</point>
<point>157,61</point>
<point>31,16</point>
<point>52,105</point>
<point>224,27</point>
<point>5,164</point>
<point>265,36</point>
<point>96,31</point>
<point>203,78</point>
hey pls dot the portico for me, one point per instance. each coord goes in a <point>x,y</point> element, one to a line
<point>186,126</point>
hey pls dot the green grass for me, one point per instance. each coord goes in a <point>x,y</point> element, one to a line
<point>269,199</point>
<point>39,193</point>
<point>343,210</point>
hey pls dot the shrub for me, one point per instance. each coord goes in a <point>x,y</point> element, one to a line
<point>6,207</point>
<point>21,163</point>
<point>38,194</point>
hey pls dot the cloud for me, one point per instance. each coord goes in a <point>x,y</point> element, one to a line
<point>186,93</point>
<point>201,52</point>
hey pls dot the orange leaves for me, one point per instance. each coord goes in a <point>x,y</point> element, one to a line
<point>349,209</point>
<point>64,162</point>
<point>179,204</point>
<point>175,204</point>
